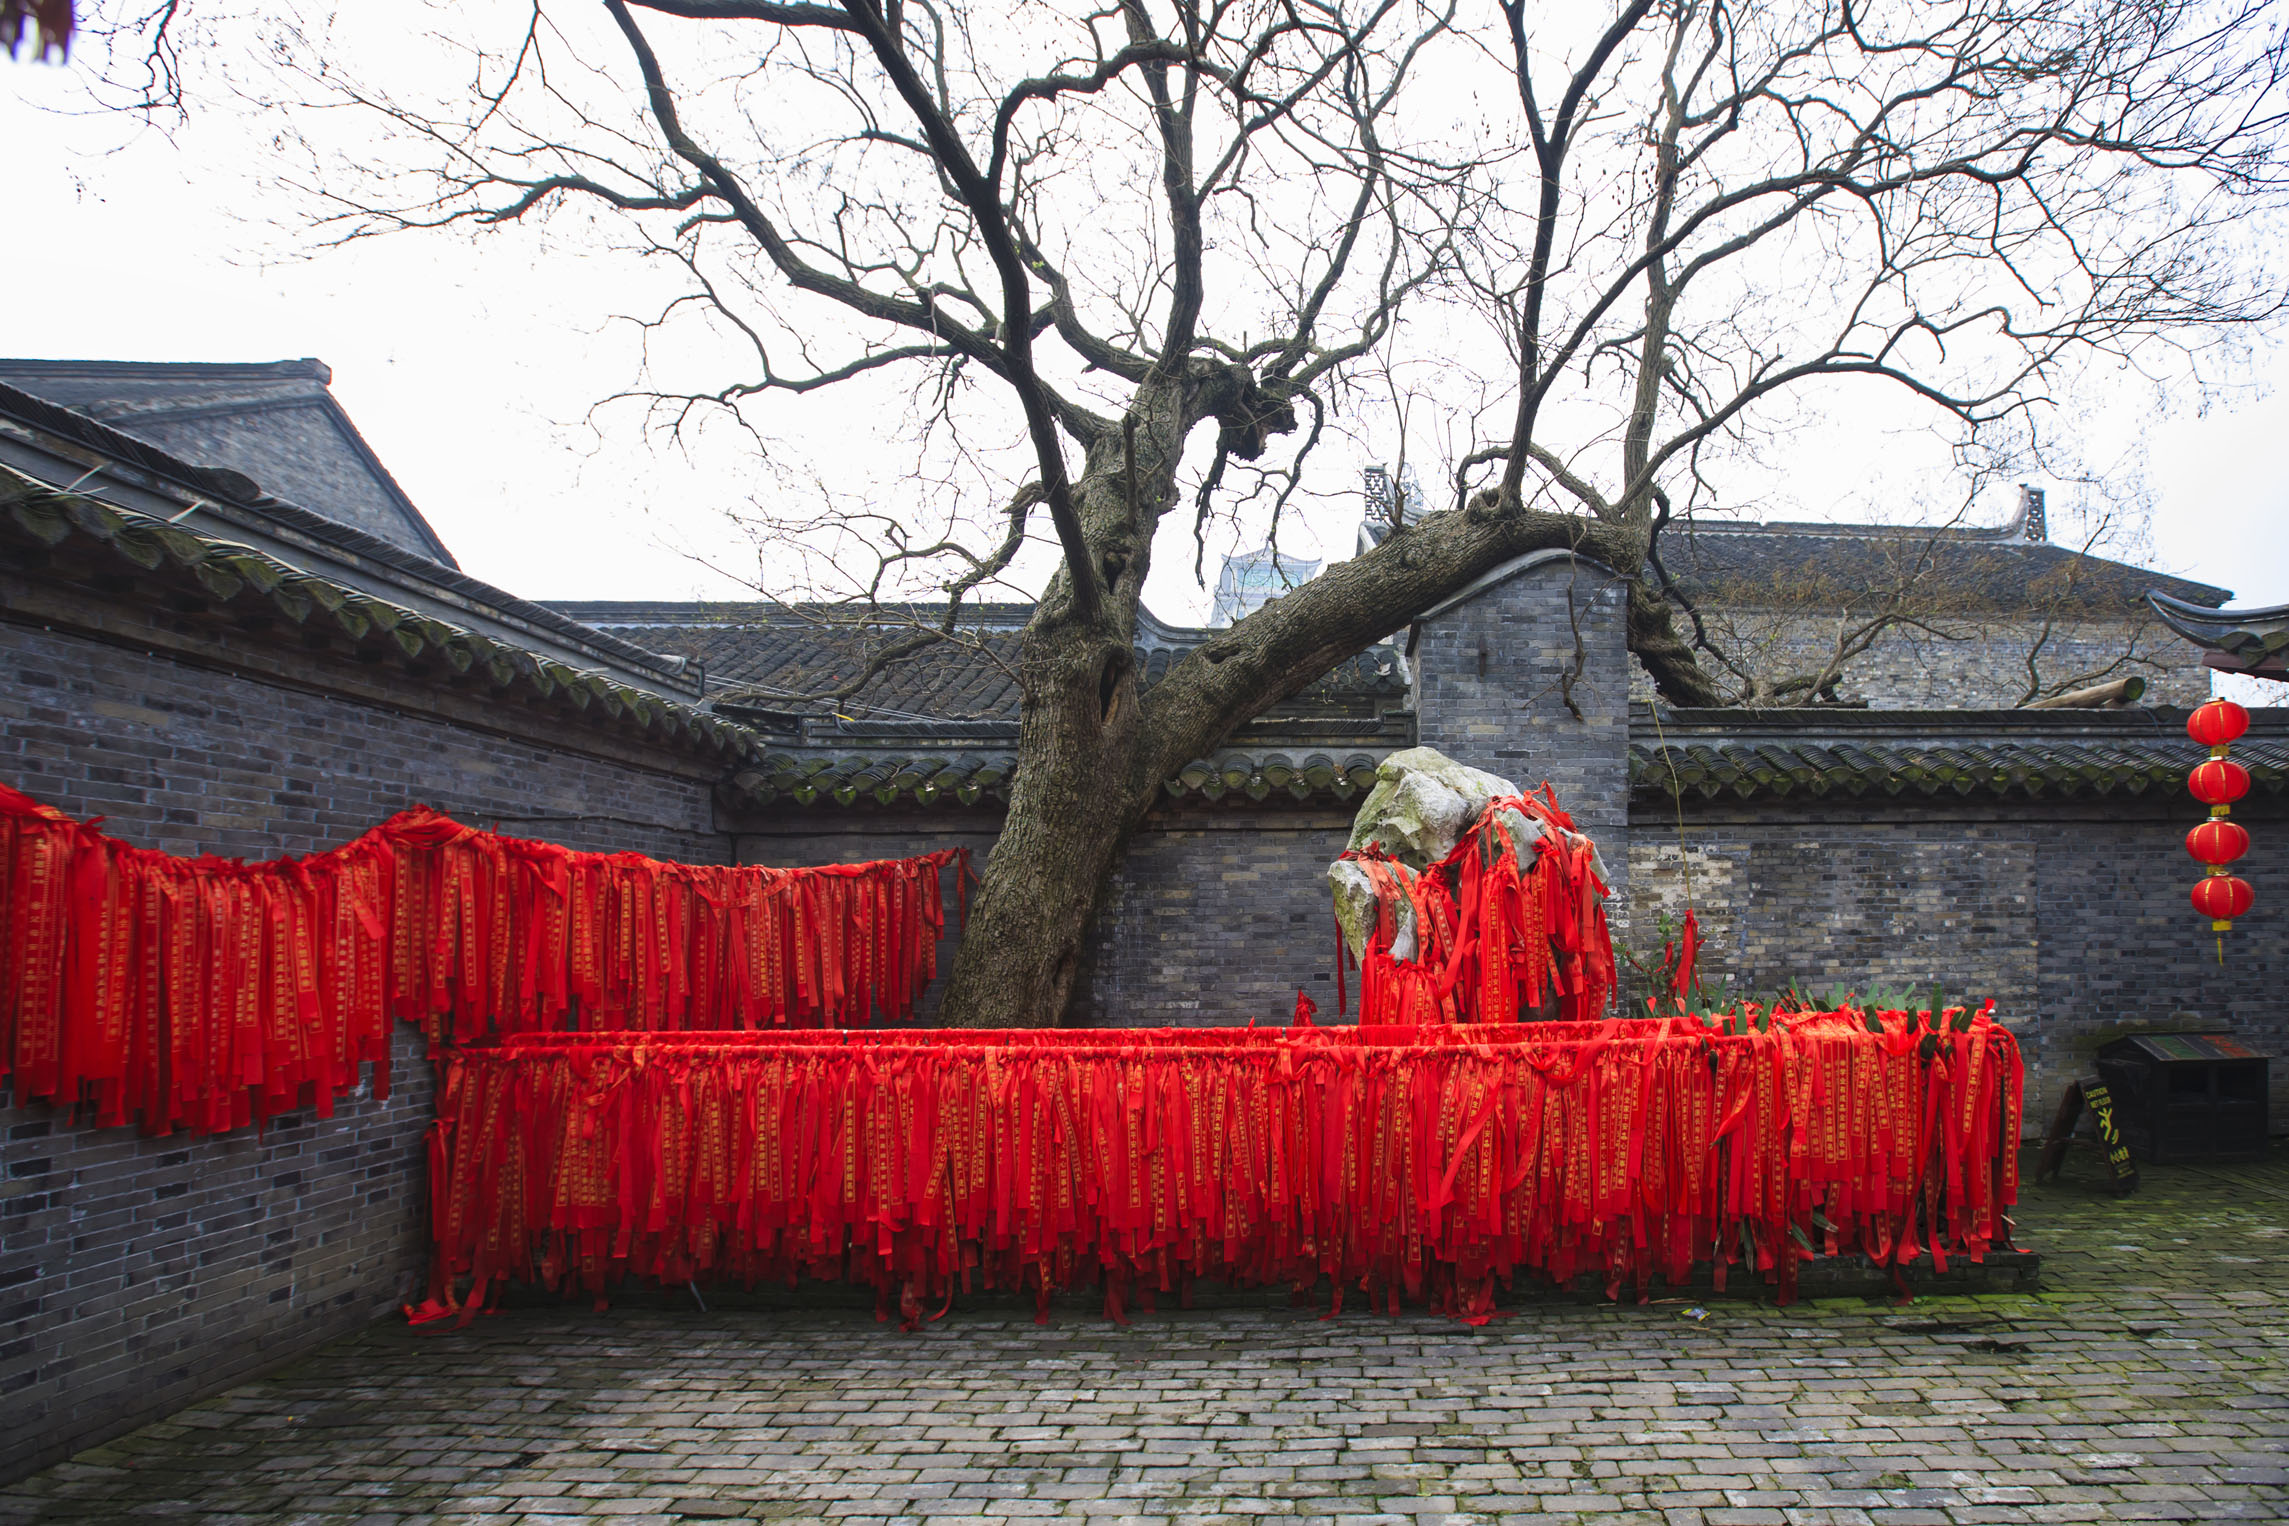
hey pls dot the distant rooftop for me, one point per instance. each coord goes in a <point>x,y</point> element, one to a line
<point>763,657</point>
<point>2013,567</point>
<point>276,423</point>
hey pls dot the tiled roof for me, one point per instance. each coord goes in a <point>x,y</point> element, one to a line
<point>772,657</point>
<point>240,508</point>
<point>1788,564</point>
<point>953,775</point>
<point>122,543</point>
<point>779,664</point>
<point>1718,754</point>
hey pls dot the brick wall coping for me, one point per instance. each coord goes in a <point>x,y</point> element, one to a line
<point>956,775</point>
<point>132,547</point>
<point>52,444</point>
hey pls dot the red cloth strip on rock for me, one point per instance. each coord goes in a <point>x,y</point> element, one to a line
<point>1508,925</point>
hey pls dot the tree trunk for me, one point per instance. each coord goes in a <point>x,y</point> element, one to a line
<point>1070,814</point>
<point>1677,674</point>
<point>1081,786</point>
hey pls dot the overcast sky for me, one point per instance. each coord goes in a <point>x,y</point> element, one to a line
<point>470,366</point>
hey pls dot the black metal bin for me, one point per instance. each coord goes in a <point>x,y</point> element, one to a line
<point>2187,1097</point>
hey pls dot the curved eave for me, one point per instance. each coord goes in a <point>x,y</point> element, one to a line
<point>1744,771</point>
<point>2243,640</point>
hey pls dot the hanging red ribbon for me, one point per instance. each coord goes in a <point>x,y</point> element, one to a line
<point>206,993</point>
<point>1501,924</point>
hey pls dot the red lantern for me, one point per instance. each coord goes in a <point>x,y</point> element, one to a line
<point>2218,782</point>
<point>2222,897</point>
<point>2217,842</point>
<point>2217,723</point>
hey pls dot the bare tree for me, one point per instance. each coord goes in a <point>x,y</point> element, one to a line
<point>1966,202</point>
<point>1113,227</point>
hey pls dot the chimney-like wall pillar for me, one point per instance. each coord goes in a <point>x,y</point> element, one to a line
<point>1500,672</point>
<point>2032,522</point>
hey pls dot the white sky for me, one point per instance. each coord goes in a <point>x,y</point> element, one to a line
<point>470,366</point>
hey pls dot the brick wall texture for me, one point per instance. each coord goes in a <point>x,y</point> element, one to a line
<point>1219,918</point>
<point>137,1274</point>
<point>1218,915</point>
<point>1529,680</point>
<point>2074,919</point>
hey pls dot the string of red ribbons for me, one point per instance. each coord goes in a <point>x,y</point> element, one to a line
<point>1509,925</point>
<point>1416,1162</point>
<point>205,993</point>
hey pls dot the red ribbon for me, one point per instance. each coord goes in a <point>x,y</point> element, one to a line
<point>206,993</point>
<point>1496,925</point>
<point>1430,1162</point>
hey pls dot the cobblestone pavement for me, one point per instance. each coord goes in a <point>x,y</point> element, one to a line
<point>2148,1380</point>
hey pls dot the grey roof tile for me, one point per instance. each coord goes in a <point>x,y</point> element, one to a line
<point>275,423</point>
<point>782,656</point>
<point>1782,565</point>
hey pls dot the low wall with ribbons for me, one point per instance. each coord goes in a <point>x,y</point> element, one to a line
<point>1420,1162</point>
<point>695,1127</point>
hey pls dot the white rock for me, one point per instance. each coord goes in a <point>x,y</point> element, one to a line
<point>1422,802</point>
<point>1355,908</point>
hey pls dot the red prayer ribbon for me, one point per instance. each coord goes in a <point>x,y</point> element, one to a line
<point>1502,928</point>
<point>206,993</point>
<point>1426,1162</point>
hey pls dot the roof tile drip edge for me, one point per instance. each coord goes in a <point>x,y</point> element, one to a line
<point>2029,768</point>
<point>969,778</point>
<point>227,572</point>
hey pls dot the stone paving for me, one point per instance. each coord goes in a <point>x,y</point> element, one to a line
<point>2147,1380</point>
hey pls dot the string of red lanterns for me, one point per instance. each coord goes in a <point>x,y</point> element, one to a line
<point>2217,842</point>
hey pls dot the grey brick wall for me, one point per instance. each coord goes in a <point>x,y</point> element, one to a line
<point>2074,918</point>
<point>1218,914</point>
<point>137,1274</point>
<point>191,759</point>
<point>2122,950</point>
<point>1220,917</point>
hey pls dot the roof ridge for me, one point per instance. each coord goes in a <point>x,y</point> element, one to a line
<point>304,366</point>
